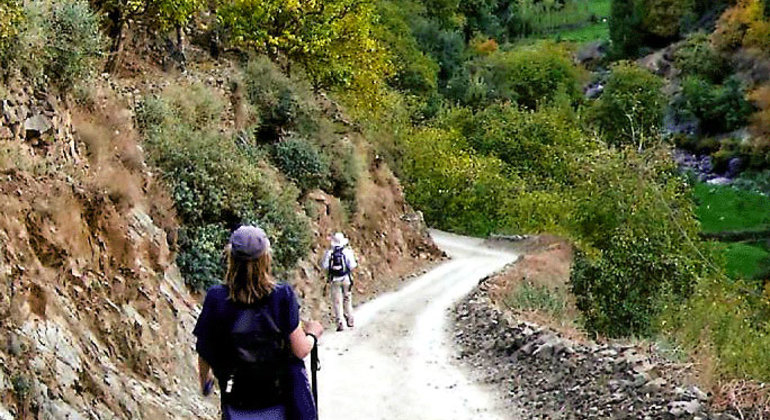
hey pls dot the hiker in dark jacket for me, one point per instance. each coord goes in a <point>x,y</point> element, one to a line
<point>250,338</point>
<point>339,262</point>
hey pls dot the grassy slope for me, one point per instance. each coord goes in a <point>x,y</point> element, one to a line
<point>724,208</point>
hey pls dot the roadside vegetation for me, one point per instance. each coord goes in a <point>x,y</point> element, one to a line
<point>480,108</point>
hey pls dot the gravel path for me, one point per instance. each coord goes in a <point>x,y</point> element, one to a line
<point>398,362</point>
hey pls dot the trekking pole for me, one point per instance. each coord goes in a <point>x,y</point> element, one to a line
<point>314,375</point>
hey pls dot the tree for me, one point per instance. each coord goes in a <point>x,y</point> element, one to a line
<point>625,27</point>
<point>637,240</point>
<point>332,40</point>
<point>631,108</point>
<point>160,15</point>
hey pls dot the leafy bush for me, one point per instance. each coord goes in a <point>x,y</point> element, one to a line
<point>331,40</point>
<point>625,27</point>
<point>695,57</point>
<point>719,109</point>
<point>216,183</point>
<point>11,20</point>
<point>76,42</point>
<point>536,145</point>
<point>630,110</point>
<point>456,189</point>
<point>281,103</point>
<point>57,42</point>
<point>743,25</point>
<point>637,239</point>
<point>302,162</point>
<point>530,76</point>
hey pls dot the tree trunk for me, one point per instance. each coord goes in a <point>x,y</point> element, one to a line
<point>116,51</point>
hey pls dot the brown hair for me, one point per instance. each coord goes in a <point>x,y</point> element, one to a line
<point>249,281</point>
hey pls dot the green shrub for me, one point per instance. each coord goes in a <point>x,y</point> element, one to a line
<point>11,20</point>
<point>695,57</point>
<point>637,242</point>
<point>630,110</point>
<point>536,145</point>
<point>217,183</point>
<point>530,76</point>
<point>302,162</point>
<point>75,44</point>
<point>54,42</point>
<point>201,254</point>
<point>456,189</point>
<point>728,319</point>
<point>280,103</point>
<point>625,27</point>
<point>719,109</point>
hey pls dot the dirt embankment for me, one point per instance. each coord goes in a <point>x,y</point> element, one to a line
<point>551,370</point>
<point>95,319</point>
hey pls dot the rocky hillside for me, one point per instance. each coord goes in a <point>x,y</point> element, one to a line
<point>95,317</point>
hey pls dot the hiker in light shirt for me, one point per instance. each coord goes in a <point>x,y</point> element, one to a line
<point>339,262</point>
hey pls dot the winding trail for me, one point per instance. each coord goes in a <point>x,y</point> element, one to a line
<point>397,363</point>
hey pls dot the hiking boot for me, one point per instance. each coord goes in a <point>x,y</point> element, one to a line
<point>349,321</point>
<point>340,327</point>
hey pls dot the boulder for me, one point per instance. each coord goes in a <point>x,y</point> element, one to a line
<point>37,125</point>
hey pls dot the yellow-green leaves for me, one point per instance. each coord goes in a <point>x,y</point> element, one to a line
<point>332,40</point>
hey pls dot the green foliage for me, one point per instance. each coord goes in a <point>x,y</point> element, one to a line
<point>456,189</point>
<point>11,20</point>
<point>536,145</point>
<point>754,181</point>
<point>415,72</point>
<point>280,102</point>
<point>216,183</point>
<point>662,18</point>
<point>625,27</point>
<point>637,250</point>
<point>719,109</point>
<point>54,42</point>
<point>630,110</point>
<point>157,14</point>
<point>332,40</point>
<point>728,319</point>
<point>695,57</point>
<point>75,43</point>
<point>302,162</point>
<point>539,298</point>
<point>530,76</point>
<point>723,208</point>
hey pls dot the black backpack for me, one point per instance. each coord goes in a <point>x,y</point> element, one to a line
<point>258,373</point>
<point>338,267</point>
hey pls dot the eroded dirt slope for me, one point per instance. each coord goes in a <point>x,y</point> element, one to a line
<point>95,319</point>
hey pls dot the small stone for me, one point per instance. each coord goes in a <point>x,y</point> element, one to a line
<point>654,386</point>
<point>697,393</point>
<point>680,408</point>
<point>5,133</point>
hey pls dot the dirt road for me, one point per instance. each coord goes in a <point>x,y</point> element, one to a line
<point>397,363</point>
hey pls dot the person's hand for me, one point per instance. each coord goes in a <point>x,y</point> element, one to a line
<point>313,327</point>
<point>207,385</point>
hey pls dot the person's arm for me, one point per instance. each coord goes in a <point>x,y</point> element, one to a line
<point>301,342</point>
<point>204,373</point>
<point>325,261</point>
